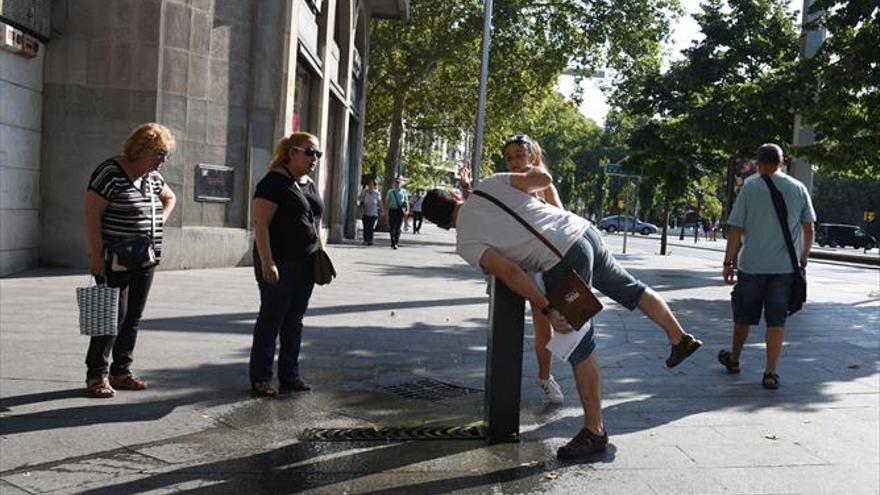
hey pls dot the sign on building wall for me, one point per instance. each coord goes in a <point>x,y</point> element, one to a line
<point>214,183</point>
<point>32,15</point>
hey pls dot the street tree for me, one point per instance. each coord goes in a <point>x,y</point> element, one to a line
<point>733,90</point>
<point>423,74</point>
<point>845,73</point>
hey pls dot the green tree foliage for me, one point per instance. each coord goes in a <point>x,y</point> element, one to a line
<point>732,91</point>
<point>845,108</point>
<point>424,73</point>
<point>842,198</point>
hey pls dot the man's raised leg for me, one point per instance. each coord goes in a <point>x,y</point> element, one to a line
<point>683,344</point>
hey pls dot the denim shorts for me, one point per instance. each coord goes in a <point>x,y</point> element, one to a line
<point>762,291</point>
<point>589,257</point>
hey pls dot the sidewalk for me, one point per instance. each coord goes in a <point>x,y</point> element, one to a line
<point>414,320</point>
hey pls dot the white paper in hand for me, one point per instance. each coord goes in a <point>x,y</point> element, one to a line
<point>563,344</point>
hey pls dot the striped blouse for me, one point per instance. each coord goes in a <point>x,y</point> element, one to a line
<point>128,211</point>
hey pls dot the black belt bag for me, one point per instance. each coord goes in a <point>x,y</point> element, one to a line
<point>131,253</point>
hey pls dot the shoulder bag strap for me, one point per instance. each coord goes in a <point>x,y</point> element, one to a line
<point>152,211</point>
<point>782,215</point>
<point>520,220</point>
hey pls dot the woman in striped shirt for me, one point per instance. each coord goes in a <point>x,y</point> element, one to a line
<point>127,197</point>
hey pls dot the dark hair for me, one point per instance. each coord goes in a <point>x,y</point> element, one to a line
<point>769,154</point>
<point>438,206</point>
<point>522,139</point>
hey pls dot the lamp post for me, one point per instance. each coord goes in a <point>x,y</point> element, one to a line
<point>803,136</point>
<point>476,172</point>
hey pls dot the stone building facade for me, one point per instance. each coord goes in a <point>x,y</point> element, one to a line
<point>228,77</point>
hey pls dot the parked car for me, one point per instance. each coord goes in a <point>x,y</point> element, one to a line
<point>615,223</point>
<point>838,234</point>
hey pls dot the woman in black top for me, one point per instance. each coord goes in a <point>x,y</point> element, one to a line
<point>287,212</point>
<point>126,198</point>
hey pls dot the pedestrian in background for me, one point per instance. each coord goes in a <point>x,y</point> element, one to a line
<point>287,211</point>
<point>127,198</point>
<point>396,202</point>
<point>417,211</point>
<point>762,268</point>
<point>371,202</point>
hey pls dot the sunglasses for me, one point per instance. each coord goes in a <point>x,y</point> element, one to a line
<point>310,152</point>
<point>518,139</point>
<point>161,155</point>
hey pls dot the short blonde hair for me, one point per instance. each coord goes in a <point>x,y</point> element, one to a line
<point>282,148</point>
<point>149,136</point>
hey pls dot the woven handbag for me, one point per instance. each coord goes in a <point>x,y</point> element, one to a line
<point>98,310</point>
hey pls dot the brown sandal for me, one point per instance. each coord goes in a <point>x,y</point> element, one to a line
<point>128,382</point>
<point>99,388</point>
<point>264,389</point>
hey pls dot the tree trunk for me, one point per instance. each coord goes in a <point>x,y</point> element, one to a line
<point>392,156</point>
<point>663,238</point>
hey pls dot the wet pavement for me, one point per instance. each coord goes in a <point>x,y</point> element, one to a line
<point>399,339</point>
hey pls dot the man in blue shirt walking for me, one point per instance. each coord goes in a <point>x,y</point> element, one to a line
<point>762,268</point>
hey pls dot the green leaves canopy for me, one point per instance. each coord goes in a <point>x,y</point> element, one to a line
<point>424,74</point>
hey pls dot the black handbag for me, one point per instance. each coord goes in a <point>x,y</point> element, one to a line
<point>324,270</point>
<point>798,294</point>
<point>131,253</point>
<point>571,296</point>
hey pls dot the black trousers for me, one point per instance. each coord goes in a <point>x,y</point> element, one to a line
<point>395,221</point>
<point>282,307</point>
<point>134,287</point>
<point>417,221</point>
<point>369,227</point>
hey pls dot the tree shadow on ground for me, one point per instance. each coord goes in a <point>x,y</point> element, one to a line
<point>244,322</point>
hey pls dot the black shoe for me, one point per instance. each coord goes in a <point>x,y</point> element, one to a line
<point>770,381</point>
<point>725,360</point>
<point>394,246</point>
<point>583,444</point>
<point>295,385</point>
<point>682,350</point>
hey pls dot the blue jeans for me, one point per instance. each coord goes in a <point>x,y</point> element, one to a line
<point>589,257</point>
<point>754,292</point>
<point>282,307</point>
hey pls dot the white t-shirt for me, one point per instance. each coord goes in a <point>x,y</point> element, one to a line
<point>482,225</point>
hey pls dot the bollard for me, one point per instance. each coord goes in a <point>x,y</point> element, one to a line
<point>504,351</point>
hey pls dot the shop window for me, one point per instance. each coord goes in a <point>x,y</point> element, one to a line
<point>303,104</point>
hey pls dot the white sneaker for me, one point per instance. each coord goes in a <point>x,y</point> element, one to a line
<point>552,391</point>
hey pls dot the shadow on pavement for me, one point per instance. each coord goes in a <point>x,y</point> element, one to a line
<point>304,466</point>
<point>244,322</point>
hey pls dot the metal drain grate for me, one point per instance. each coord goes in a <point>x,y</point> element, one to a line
<point>431,390</point>
<point>394,433</point>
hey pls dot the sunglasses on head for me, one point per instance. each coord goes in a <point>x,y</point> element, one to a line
<point>518,139</point>
<point>309,151</point>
